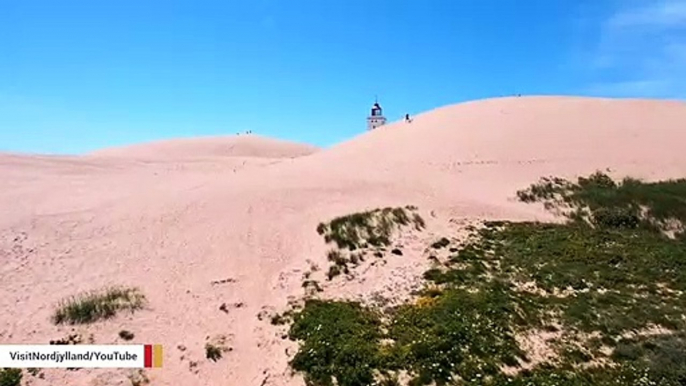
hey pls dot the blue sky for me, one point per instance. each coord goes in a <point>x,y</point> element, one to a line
<point>81,75</point>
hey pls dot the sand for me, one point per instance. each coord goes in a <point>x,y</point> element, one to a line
<point>173,217</point>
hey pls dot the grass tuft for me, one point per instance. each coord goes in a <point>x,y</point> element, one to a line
<point>94,306</point>
<point>212,352</point>
<point>374,227</point>
<point>360,231</point>
<point>215,348</point>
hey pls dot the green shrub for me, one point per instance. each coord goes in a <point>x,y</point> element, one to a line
<point>616,218</point>
<point>126,335</point>
<point>10,377</point>
<point>599,200</point>
<point>455,332</point>
<point>664,356</point>
<point>340,341</point>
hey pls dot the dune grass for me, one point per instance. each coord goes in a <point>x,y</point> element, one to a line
<point>98,305</point>
<point>216,347</point>
<point>605,203</point>
<point>371,228</point>
<point>358,232</point>
<point>613,289</point>
<point>212,352</point>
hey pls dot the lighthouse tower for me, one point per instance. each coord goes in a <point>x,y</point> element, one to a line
<point>376,118</point>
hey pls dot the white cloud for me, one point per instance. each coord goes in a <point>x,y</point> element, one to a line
<point>641,51</point>
<point>644,88</point>
<point>655,14</point>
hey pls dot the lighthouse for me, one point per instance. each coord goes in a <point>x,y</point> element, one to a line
<point>376,118</point>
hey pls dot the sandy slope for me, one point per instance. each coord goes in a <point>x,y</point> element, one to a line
<point>170,221</point>
<point>204,147</point>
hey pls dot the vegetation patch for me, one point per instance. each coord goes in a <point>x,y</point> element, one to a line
<point>279,319</point>
<point>605,203</point>
<point>213,352</point>
<point>216,347</point>
<point>126,335</point>
<point>611,282</point>
<point>94,306</point>
<point>312,286</point>
<point>138,378</point>
<point>355,234</point>
<point>10,377</point>
<point>441,243</point>
<point>664,355</point>
<point>340,340</point>
<point>70,339</point>
<point>371,228</point>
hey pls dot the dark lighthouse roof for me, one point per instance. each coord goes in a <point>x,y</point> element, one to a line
<point>376,110</point>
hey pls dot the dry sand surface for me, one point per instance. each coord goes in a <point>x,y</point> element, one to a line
<point>173,217</point>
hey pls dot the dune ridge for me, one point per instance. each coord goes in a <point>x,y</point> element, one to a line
<point>246,145</point>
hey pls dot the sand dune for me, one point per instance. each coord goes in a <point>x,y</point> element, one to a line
<point>234,146</point>
<point>174,216</point>
<point>529,130</point>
